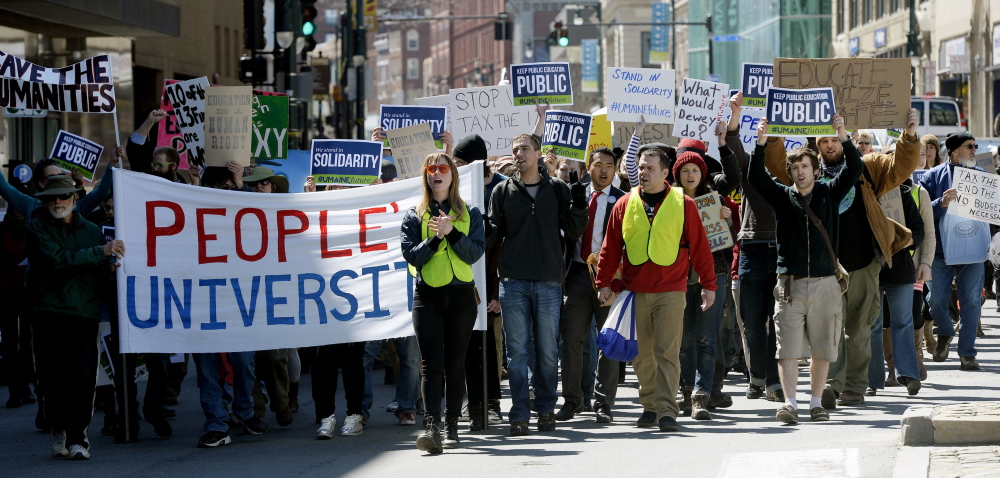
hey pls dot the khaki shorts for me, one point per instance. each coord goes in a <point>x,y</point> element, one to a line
<point>809,323</point>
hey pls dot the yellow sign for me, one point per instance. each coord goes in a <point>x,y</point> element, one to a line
<point>600,131</point>
<point>371,13</point>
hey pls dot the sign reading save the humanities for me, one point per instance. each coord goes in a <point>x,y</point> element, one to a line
<point>76,154</point>
<point>83,87</point>
<point>641,92</point>
<point>538,83</point>
<point>978,195</point>
<point>567,134</point>
<point>346,162</point>
<point>716,228</point>
<point>700,109</point>
<point>800,112</point>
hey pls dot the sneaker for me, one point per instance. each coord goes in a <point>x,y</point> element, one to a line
<point>941,349</point>
<point>787,414</point>
<point>407,418</point>
<point>603,413</point>
<point>778,395</point>
<point>255,426</point>
<point>719,400</point>
<point>754,391</point>
<point>819,414</point>
<point>392,407</point>
<point>546,422</point>
<point>494,416</point>
<point>79,452</point>
<point>668,424</point>
<point>325,430</point>
<point>213,439</point>
<point>518,429</point>
<point>568,411</point>
<point>829,399</point>
<point>967,363</point>
<point>59,444</point>
<point>850,398</point>
<point>870,392</point>
<point>699,407</point>
<point>464,417</point>
<point>352,425</point>
<point>161,427</point>
<point>451,434</point>
<point>647,420</point>
<point>430,439</point>
<point>685,404</point>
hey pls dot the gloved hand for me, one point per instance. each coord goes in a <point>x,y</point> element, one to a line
<point>578,191</point>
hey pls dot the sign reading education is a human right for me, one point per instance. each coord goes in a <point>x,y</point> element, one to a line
<point>757,79</point>
<point>76,154</point>
<point>400,116</point>
<point>567,134</point>
<point>346,162</point>
<point>806,112</point>
<point>539,83</point>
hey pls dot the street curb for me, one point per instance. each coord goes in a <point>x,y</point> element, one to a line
<point>917,426</point>
<point>959,424</point>
<point>912,462</point>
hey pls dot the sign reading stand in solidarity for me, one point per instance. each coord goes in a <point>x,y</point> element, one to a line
<point>346,162</point>
<point>806,112</point>
<point>489,112</point>
<point>757,79</point>
<point>978,195</point>
<point>567,133</point>
<point>700,109</point>
<point>83,87</point>
<point>539,83</point>
<point>637,92</point>
<point>76,154</point>
<point>400,116</point>
<point>209,270</point>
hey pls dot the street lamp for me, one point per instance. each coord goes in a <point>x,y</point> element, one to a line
<point>284,39</point>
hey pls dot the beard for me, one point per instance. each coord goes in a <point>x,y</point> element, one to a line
<point>60,211</point>
<point>967,162</point>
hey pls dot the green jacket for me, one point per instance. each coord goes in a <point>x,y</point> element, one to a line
<point>67,263</point>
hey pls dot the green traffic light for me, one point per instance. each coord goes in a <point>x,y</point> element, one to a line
<point>563,41</point>
<point>308,28</point>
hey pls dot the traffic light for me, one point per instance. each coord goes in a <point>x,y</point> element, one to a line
<point>253,24</point>
<point>563,36</point>
<point>308,17</point>
<point>556,35</point>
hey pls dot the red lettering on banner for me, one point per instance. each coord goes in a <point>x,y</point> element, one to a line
<point>365,247</point>
<point>239,235</point>
<point>203,257</point>
<point>283,232</point>
<point>324,242</point>
<point>152,231</point>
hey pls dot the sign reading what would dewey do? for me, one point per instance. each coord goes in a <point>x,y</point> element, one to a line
<point>806,112</point>
<point>567,134</point>
<point>76,154</point>
<point>641,92</point>
<point>400,116</point>
<point>539,83</point>
<point>700,109</point>
<point>346,162</point>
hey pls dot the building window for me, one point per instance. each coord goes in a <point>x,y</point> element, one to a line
<point>412,40</point>
<point>866,11</point>
<point>840,16</point>
<point>879,8</point>
<point>412,68</point>
<point>854,13</point>
<point>895,5</point>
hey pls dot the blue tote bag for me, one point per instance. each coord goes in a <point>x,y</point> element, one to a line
<point>617,339</point>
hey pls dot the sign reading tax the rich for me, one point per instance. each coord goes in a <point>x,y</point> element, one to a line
<point>489,112</point>
<point>538,83</point>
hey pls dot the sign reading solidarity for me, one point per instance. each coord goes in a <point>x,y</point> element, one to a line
<point>83,87</point>
<point>224,271</point>
<point>270,127</point>
<point>716,228</point>
<point>228,130</point>
<point>76,154</point>
<point>538,83</point>
<point>410,146</point>
<point>757,79</point>
<point>700,109</point>
<point>978,195</point>
<point>636,92</point>
<point>399,116</point>
<point>806,112</point>
<point>489,112</point>
<point>346,162</point>
<point>567,133</point>
<point>187,100</point>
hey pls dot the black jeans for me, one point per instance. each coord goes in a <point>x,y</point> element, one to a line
<point>16,344</point>
<point>443,318</point>
<point>329,358</point>
<point>66,361</point>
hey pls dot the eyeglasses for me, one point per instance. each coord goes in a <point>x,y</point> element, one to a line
<point>438,168</point>
<point>972,146</point>
<point>262,182</point>
<point>61,197</point>
<point>108,208</point>
<point>225,187</point>
<point>865,143</point>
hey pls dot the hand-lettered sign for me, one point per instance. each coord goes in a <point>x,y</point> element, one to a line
<point>187,98</point>
<point>641,92</point>
<point>716,228</point>
<point>978,195</point>
<point>806,112</point>
<point>567,134</point>
<point>489,112</point>
<point>700,109</point>
<point>538,83</point>
<point>228,114</point>
<point>410,146</point>
<point>84,87</point>
<point>270,127</point>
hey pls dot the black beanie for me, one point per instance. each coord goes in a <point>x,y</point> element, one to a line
<point>954,140</point>
<point>471,148</point>
<point>388,171</point>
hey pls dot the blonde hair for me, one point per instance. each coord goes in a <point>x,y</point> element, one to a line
<point>456,201</point>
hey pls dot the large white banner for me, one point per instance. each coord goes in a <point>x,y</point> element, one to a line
<point>209,270</point>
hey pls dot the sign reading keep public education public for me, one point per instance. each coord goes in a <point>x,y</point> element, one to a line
<point>567,133</point>
<point>187,100</point>
<point>538,83</point>
<point>700,109</point>
<point>410,146</point>
<point>489,112</point>
<point>978,195</point>
<point>76,154</point>
<point>636,92</point>
<point>346,162</point>
<point>807,112</point>
<point>757,79</point>
<point>400,116</point>
<point>270,127</point>
<point>83,87</point>
<point>716,228</point>
<point>228,127</point>
<point>223,271</point>
<point>869,92</point>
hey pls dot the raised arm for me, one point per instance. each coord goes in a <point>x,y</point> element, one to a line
<point>853,167</point>
<point>631,168</point>
<point>730,178</point>
<point>758,177</point>
<point>892,169</point>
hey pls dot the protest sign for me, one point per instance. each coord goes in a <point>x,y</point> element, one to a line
<point>439,100</point>
<point>537,83</point>
<point>868,92</point>
<point>636,92</point>
<point>716,228</point>
<point>807,112</point>
<point>652,133</point>
<point>187,100</point>
<point>978,195</point>
<point>400,116</point>
<point>270,127</point>
<point>346,162</point>
<point>589,82</point>
<point>699,109</point>
<point>600,131</point>
<point>167,131</point>
<point>76,154</point>
<point>271,270</point>
<point>985,161</point>
<point>410,146</point>
<point>489,112</point>
<point>83,87</point>
<point>918,174</point>
<point>229,110</point>
<point>567,134</point>
<point>757,79</point>
<point>892,205</point>
<point>296,168</point>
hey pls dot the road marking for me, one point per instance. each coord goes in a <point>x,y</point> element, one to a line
<point>833,463</point>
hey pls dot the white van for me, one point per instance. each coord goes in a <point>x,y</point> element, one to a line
<point>939,115</point>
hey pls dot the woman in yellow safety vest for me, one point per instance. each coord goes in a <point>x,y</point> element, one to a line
<point>441,237</point>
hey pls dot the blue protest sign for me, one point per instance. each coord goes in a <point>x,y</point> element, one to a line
<point>567,133</point>
<point>757,79</point>
<point>807,112</point>
<point>538,83</point>
<point>401,116</point>
<point>76,154</point>
<point>346,162</point>
<point>23,173</point>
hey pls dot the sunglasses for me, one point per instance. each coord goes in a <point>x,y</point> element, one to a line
<point>61,197</point>
<point>262,182</point>
<point>866,143</point>
<point>438,168</point>
<point>160,165</point>
<point>972,146</point>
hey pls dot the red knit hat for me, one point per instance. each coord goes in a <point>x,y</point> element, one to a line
<point>688,144</point>
<point>689,157</point>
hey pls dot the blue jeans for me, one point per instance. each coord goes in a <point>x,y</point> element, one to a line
<point>210,388</point>
<point>531,322</point>
<point>969,278</point>
<point>701,337</point>
<point>900,300</point>
<point>758,276</point>
<point>408,386</point>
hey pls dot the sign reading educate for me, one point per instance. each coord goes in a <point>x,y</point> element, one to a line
<point>716,228</point>
<point>400,116</point>
<point>806,112</point>
<point>83,87</point>
<point>700,109</point>
<point>539,83</point>
<point>346,162</point>
<point>76,154</point>
<point>757,79</point>
<point>489,112</point>
<point>641,92</point>
<point>187,99</point>
<point>978,195</point>
<point>567,134</point>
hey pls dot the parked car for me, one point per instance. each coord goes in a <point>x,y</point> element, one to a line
<point>939,115</point>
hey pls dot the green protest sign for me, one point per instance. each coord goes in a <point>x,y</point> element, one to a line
<point>270,127</point>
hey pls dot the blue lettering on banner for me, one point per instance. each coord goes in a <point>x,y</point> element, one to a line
<point>313,296</point>
<point>154,306</point>
<point>171,298</point>
<point>376,310</point>
<point>246,314</point>
<point>351,300</point>
<point>271,301</point>
<point>213,321</point>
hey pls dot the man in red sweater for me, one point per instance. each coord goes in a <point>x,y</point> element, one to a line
<point>655,235</point>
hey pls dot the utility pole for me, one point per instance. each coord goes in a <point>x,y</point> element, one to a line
<point>981,123</point>
<point>360,51</point>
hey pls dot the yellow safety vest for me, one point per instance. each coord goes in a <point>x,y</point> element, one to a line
<point>445,265</point>
<point>659,241</point>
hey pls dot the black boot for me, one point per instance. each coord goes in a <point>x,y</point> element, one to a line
<point>430,439</point>
<point>475,418</point>
<point>451,439</point>
<point>293,397</point>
